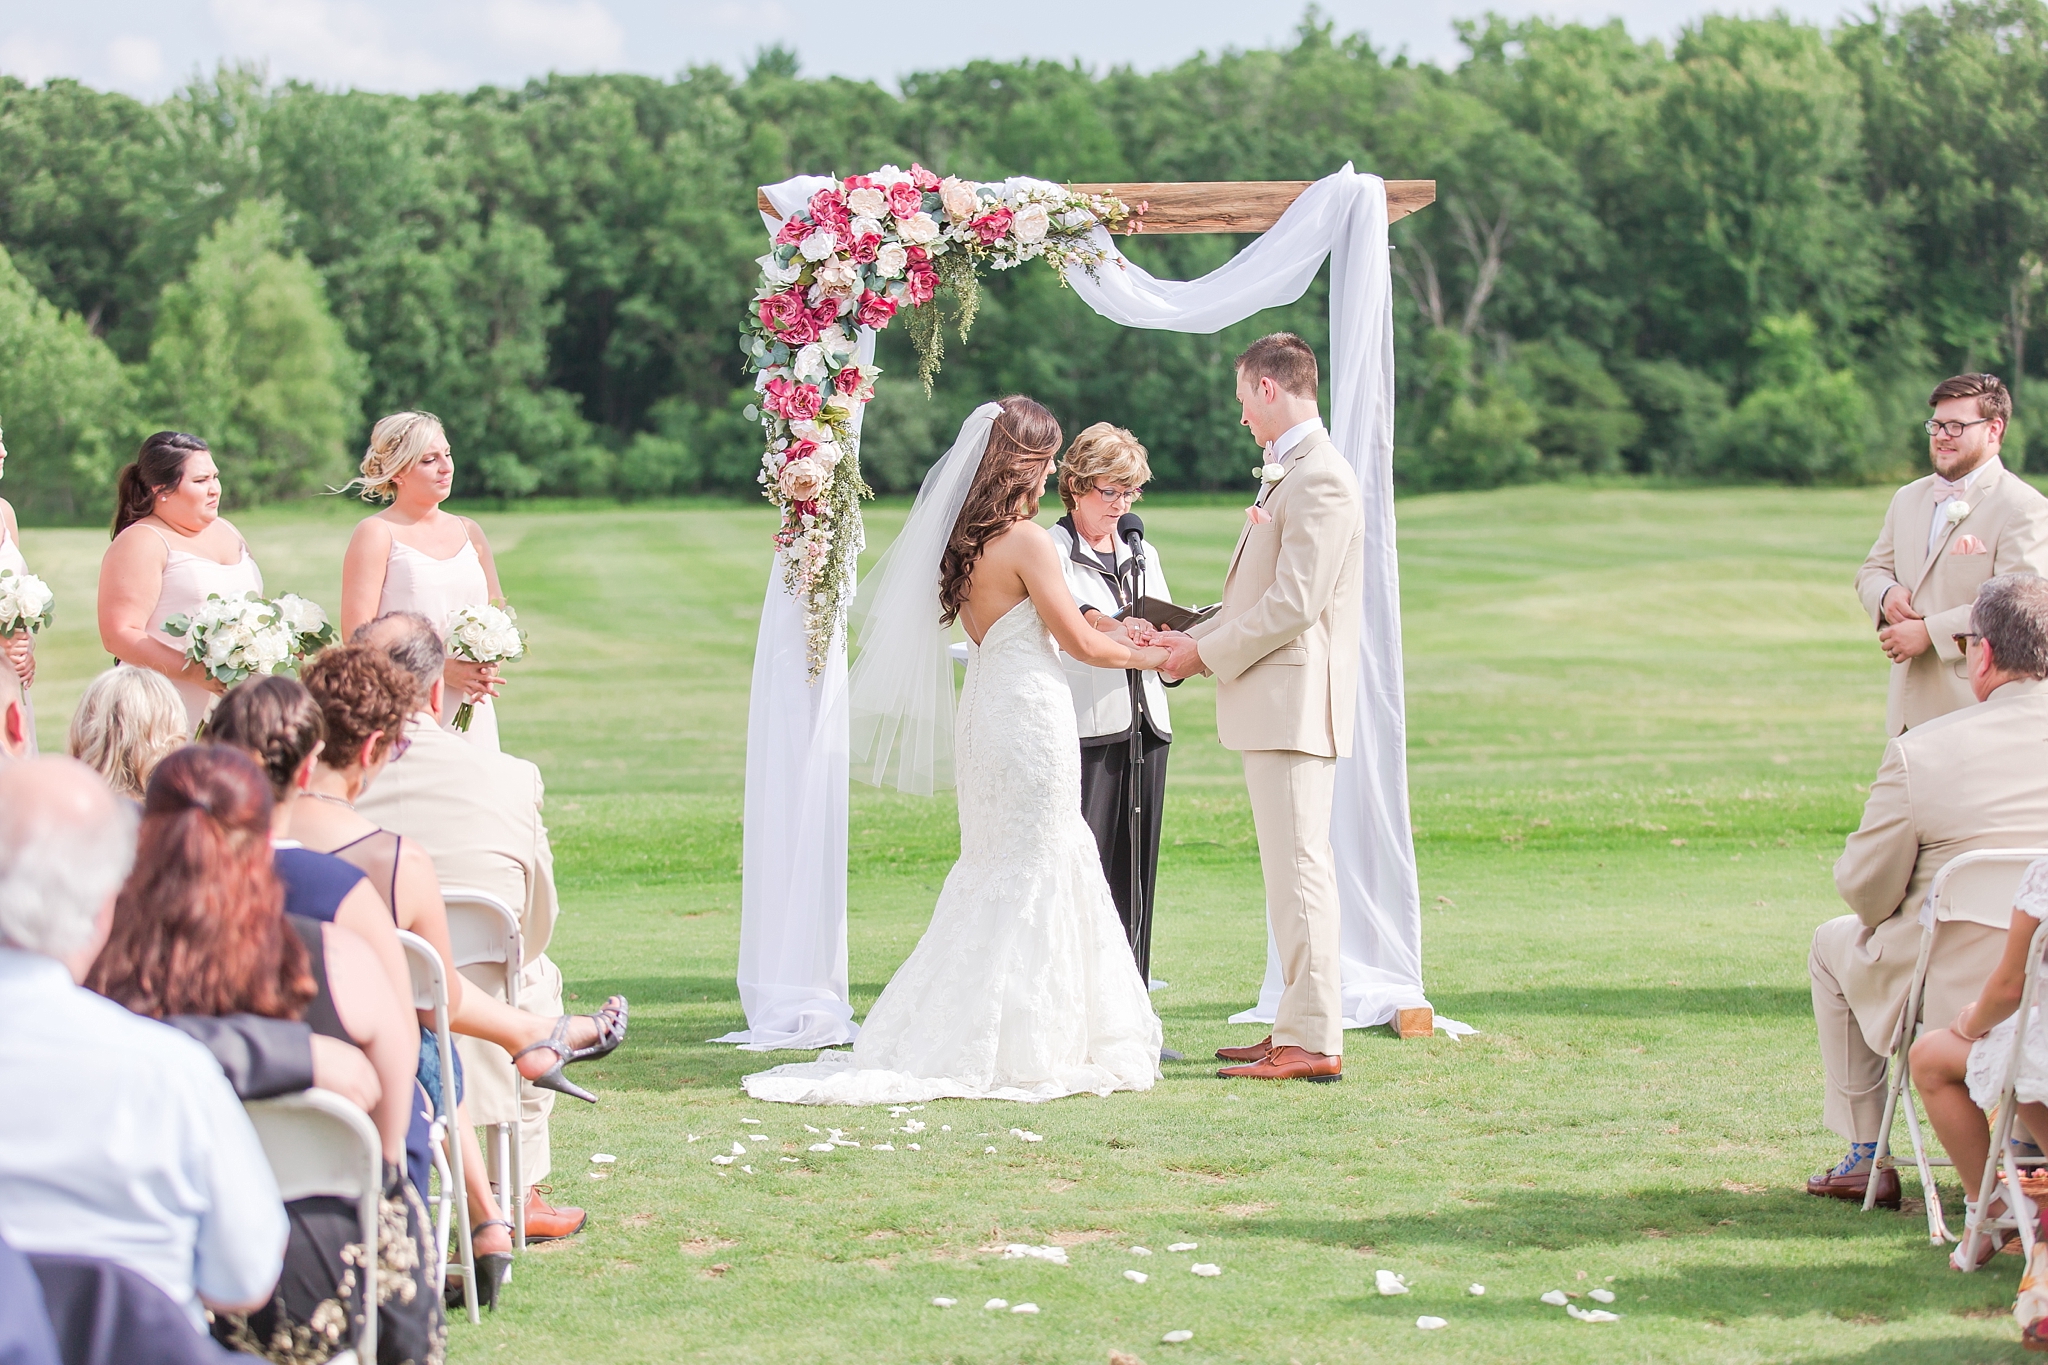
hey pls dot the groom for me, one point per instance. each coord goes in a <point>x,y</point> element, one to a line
<point>1284,651</point>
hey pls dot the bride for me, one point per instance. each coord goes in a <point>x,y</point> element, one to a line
<point>1023,986</point>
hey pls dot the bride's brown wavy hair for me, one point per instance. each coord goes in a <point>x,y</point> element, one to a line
<point>1005,491</point>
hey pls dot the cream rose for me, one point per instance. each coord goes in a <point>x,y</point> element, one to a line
<point>918,229</point>
<point>866,203</point>
<point>891,260</point>
<point>1030,224</point>
<point>839,280</point>
<point>959,198</point>
<point>802,480</point>
<point>827,454</point>
<point>810,364</point>
<point>865,226</point>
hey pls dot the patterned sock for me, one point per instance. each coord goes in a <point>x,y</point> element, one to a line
<point>1859,1153</point>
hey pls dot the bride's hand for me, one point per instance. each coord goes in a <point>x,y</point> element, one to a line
<point>1151,658</point>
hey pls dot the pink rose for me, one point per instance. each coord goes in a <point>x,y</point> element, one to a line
<point>922,178</point>
<point>802,403</point>
<point>874,311</point>
<point>828,209</point>
<point>866,249</point>
<point>798,451</point>
<point>776,396</point>
<point>848,380</point>
<point>857,182</point>
<point>905,199</point>
<point>793,229</point>
<point>924,282</point>
<point>824,315</point>
<point>990,227</point>
<point>779,311</point>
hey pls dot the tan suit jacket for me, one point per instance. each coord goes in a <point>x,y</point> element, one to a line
<point>1284,648</point>
<point>2009,519</point>
<point>1970,779</point>
<point>478,816</point>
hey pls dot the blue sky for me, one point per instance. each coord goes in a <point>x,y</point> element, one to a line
<point>147,47</point>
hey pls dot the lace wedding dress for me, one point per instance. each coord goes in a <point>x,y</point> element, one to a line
<point>1023,987</point>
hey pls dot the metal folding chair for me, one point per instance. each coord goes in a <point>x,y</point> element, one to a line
<point>483,933</point>
<point>1974,888</point>
<point>320,1144</point>
<point>430,992</point>
<point>2008,1116</point>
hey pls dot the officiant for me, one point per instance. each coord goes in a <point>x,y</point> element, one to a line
<point>1109,566</point>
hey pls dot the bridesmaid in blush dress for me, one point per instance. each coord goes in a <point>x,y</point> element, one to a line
<point>412,556</point>
<point>20,648</point>
<point>172,549</point>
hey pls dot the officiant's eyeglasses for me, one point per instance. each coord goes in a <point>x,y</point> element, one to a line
<point>1952,429</point>
<point>1126,496</point>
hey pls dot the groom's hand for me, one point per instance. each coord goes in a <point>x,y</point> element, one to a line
<point>1183,658</point>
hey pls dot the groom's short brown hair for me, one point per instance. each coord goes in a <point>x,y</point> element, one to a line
<point>1285,359</point>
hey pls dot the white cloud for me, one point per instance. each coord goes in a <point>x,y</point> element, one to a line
<point>335,42</point>
<point>33,59</point>
<point>135,60</point>
<point>580,35</point>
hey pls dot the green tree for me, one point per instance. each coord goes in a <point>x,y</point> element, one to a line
<point>65,406</point>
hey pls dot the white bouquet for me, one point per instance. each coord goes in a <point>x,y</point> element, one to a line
<point>26,603</point>
<point>308,623</point>
<point>233,638</point>
<point>483,635</point>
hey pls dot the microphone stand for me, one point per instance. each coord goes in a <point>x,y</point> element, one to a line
<point>1133,532</point>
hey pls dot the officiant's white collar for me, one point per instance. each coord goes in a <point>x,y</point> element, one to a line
<point>1293,437</point>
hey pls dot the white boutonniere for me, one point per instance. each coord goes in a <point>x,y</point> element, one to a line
<point>1955,511</point>
<point>1268,473</point>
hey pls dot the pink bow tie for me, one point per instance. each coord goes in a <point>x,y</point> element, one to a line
<point>1947,488</point>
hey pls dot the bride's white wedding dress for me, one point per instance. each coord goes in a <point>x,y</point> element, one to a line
<point>1023,986</point>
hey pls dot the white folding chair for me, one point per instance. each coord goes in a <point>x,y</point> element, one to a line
<point>430,992</point>
<point>2008,1116</point>
<point>1972,888</point>
<point>483,933</point>
<point>319,1144</point>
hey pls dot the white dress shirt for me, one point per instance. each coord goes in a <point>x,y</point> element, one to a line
<point>120,1139</point>
<point>1946,493</point>
<point>1292,437</point>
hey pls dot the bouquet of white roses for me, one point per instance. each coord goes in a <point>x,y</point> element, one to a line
<point>483,635</point>
<point>26,603</point>
<point>233,638</point>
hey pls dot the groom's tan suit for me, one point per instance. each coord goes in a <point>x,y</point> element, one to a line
<point>2006,531</point>
<point>1284,650</point>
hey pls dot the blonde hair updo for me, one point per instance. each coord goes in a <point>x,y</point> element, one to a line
<point>397,443</point>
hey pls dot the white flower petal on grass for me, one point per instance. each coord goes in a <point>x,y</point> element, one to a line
<point>1601,1295</point>
<point>1025,1308</point>
<point>748,1169</point>
<point>1555,1298</point>
<point>598,1175</point>
<point>757,1137</point>
<point>1141,1251</point>
<point>945,1127</point>
<point>915,1148</point>
<point>912,1126</point>
<point>822,1147</point>
<point>809,1129</point>
<point>695,1138</point>
<point>883,1147</point>
<point>791,1158</point>
<point>1176,1338</point>
<point>1210,1272</point>
<point>750,1120</point>
<point>997,1303</point>
<point>1591,1314</point>
<point>1429,1324</point>
<point>739,1149</point>
<point>1387,1282</point>
<point>1476,1290</point>
<point>1183,1246</point>
<point>988,1151</point>
<point>944,1303</point>
<point>721,1161</point>
<point>602,1158</point>
<point>1026,1134</point>
<point>1018,1251</point>
<point>1136,1276</point>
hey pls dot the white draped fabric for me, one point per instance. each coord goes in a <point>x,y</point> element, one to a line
<point>1342,217</point>
<point>792,968</point>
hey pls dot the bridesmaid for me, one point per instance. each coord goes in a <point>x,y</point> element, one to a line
<point>412,556</point>
<point>172,549</point>
<point>21,646</point>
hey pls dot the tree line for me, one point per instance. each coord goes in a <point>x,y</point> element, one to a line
<point>1746,255</point>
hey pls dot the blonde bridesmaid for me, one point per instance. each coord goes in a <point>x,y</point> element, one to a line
<point>412,556</point>
<point>21,646</point>
<point>172,549</point>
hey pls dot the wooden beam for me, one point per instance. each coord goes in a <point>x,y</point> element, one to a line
<point>1226,205</point>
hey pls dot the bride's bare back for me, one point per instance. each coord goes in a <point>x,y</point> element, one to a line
<point>1022,561</point>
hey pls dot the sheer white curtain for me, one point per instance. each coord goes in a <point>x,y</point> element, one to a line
<point>1342,217</point>
<point>792,967</point>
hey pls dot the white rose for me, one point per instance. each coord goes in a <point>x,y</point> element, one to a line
<point>865,226</point>
<point>959,199</point>
<point>918,229</point>
<point>810,363</point>
<point>839,280</point>
<point>827,454</point>
<point>866,203</point>
<point>807,431</point>
<point>838,343</point>
<point>1956,510</point>
<point>470,634</point>
<point>778,274</point>
<point>819,245</point>
<point>891,260</point>
<point>501,642</point>
<point>1030,224</point>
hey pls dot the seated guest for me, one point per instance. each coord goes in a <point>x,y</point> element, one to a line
<point>118,1137</point>
<point>128,719</point>
<point>1959,782</point>
<point>200,928</point>
<point>25,1335</point>
<point>1960,1070</point>
<point>477,813</point>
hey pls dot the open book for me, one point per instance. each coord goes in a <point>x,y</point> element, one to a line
<point>1166,616</point>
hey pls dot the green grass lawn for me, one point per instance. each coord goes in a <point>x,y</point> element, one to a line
<point>1639,727</point>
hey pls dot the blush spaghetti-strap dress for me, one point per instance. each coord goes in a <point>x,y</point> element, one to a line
<point>416,581</point>
<point>189,580</point>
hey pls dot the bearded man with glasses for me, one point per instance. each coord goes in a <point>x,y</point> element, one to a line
<point>1943,536</point>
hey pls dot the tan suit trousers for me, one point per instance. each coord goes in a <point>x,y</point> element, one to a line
<point>1291,794</point>
<point>492,1089</point>
<point>1852,990</point>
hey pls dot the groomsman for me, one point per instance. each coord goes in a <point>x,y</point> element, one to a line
<point>1943,536</point>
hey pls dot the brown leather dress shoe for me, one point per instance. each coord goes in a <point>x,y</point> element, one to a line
<point>1289,1063</point>
<point>1255,1053</point>
<point>1828,1185</point>
<point>546,1223</point>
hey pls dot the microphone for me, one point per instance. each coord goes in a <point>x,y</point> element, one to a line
<point>1130,527</point>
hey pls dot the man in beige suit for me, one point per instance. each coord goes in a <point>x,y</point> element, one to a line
<point>478,815</point>
<point>1943,536</point>
<point>1284,651</point>
<point>1970,779</point>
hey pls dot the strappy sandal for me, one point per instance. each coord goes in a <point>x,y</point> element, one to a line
<point>493,1268</point>
<point>611,1031</point>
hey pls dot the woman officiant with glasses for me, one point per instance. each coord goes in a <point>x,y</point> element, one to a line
<point>1109,566</point>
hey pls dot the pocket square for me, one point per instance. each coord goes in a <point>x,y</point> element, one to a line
<point>1967,545</point>
<point>1259,515</point>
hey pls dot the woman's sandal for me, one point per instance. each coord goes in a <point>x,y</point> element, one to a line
<point>493,1268</point>
<point>1996,1229</point>
<point>611,1031</point>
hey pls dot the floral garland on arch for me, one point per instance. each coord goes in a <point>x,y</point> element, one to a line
<point>860,251</point>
